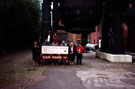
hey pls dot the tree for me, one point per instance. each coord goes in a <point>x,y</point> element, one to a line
<point>19,23</point>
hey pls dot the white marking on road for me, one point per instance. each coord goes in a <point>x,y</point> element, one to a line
<point>106,78</point>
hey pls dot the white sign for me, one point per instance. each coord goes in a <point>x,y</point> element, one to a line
<point>54,49</point>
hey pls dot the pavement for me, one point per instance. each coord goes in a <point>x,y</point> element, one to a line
<point>94,73</point>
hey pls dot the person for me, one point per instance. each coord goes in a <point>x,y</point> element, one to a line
<point>55,38</point>
<point>55,43</point>
<point>46,43</point>
<point>72,53</point>
<point>79,50</point>
<point>49,38</point>
<point>67,43</point>
<point>35,53</point>
<point>76,44</point>
<point>63,43</point>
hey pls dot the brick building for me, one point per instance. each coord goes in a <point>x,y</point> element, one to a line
<point>76,38</point>
<point>96,36</point>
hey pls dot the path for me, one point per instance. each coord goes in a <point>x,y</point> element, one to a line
<point>93,74</point>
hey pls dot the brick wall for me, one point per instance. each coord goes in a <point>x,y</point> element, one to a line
<point>94,37</point>
<point>70,36</point>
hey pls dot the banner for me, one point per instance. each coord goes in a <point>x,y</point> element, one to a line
<point>54,50</point>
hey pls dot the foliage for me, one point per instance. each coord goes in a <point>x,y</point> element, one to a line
<point>19,23</point>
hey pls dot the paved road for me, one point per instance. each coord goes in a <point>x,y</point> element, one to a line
<point>93,74</point>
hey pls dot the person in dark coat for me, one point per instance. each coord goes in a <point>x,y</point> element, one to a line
<point>72,53</point>
<point>35,53</point>
<point>46,43</point>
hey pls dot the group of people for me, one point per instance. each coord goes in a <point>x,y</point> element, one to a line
<point>75,51</point>
<point>53,41</point>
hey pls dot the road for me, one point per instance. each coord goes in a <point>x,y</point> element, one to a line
<point>94,73</point>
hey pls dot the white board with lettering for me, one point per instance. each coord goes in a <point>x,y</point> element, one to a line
<point>54,49</point>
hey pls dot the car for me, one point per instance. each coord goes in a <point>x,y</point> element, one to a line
<point>89,47</point>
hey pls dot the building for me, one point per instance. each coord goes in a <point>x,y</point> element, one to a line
<point>67,36</point>
<point>95,37</point>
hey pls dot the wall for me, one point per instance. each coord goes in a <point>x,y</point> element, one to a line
<point>94,37</point>
<point>69,36</point>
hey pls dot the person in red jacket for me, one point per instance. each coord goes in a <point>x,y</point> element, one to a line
<point>55,38</point>
<point>79,51</point>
